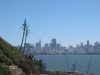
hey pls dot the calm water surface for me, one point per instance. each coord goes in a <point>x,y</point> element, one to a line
<point>59,63</point>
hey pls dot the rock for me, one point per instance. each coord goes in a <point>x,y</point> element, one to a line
<point>16,70</point>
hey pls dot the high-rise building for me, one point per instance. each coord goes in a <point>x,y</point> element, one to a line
<point>40,44</point>
<point>96,43</point>
<point>58,46</point>
<point>82,44</point>
<point>53,43</point>
<point>37,45</point>
<point>67,48</point>
<point>88,43</point>
<point>18,46</point>
<point>28,44</point>
<point>46,45</point>
<point>71,47</point>
<point>62,48</point>
<point>77,46</point>
<point>50,45</point>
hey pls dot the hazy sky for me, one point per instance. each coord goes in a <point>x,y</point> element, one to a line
<point>69,21</point>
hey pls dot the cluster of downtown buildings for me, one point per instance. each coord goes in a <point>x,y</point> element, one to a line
<point>56,48</point>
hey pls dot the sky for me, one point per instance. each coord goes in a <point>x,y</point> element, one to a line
<point>69,21</point>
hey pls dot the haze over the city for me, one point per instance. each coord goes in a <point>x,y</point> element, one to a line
<point>69,21</point>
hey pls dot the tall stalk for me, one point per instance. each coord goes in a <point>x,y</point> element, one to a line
<point>89,65</point>
<point>67,63</point>
<point>23,33</point>
<point>24,45</point>
<point>26,37</point>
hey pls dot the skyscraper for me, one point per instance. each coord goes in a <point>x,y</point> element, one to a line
<point>58,46</point>
<point>46,46</point>
<point>40,44</point>
<point>37,45</point>
<point>77,46</point>
<point>53,43</point>
<point>88,43</point>
<point>81,44</point>
<point>50,45</point>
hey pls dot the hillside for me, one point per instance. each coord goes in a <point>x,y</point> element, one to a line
<point>9,56</point>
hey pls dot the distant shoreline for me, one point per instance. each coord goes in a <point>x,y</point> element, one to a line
<point>67,54</point>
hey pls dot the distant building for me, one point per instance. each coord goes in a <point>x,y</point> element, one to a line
<point>50,45</point>
<point>67,48</point>
<point>58,46</point>
<point>96,43</point>
<point>18,46</point>
<point>32,45</point>
<point>28,44</point>
<point>62,48</point>
<point>37,45</point>
<point>82,45</point>
<point>46,46</point>
<point>77,46</point>
<point>53,44</point>
<point>88,43</point>
<point>40,44</point>
<point>71,47</point>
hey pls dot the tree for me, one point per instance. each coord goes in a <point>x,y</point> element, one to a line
<point>23,33</point>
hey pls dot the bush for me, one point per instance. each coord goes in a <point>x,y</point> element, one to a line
<point>5,71</point>
<point>1,52</point>
<point>5,59</point>
<point>52,73</point>
<point>27,67</point>
<point>60,73</point>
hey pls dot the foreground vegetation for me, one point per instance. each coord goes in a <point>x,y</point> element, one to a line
<point>10,55</point>
<point>5,71</point>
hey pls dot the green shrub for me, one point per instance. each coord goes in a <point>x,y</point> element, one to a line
<point>5,59</point>
<point>1,52</point>
<point>52,73</point>
<point>5,71</point>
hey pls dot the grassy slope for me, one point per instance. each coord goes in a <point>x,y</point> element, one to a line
<point>9,55</point>
<point>12,55</point>
<point>10,52</point>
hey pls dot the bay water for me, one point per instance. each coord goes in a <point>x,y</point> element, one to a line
<point>59,63</point>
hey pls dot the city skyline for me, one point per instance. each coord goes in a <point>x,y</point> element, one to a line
<point>38,44</point>
<point>70,22</point>
<point>56,48</point>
